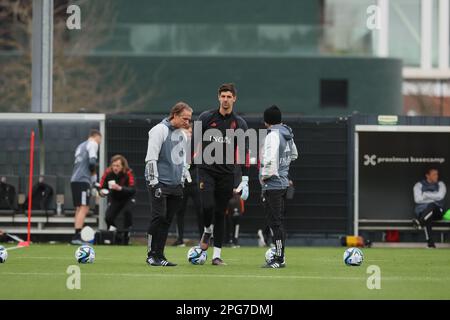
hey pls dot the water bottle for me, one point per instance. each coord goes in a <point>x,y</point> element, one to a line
<point>59,208</point>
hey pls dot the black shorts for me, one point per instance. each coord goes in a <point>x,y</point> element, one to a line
<point>218,183</point>
<point>81,193</point>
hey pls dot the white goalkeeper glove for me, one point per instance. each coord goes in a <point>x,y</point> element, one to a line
<point>186,175</point>
<point>243,186</point>
<point>151,173</point>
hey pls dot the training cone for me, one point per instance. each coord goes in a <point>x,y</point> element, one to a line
<point>24,244</point>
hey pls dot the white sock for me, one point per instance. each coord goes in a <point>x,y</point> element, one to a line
<point>217,252</point>
<point>209,229</point>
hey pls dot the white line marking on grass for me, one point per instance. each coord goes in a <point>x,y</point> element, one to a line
<point>14,248</point>
<point>56,258</point>
<point>196,275</point>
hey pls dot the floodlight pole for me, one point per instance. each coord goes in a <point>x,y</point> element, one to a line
<point>42,56</point>
<point>42,67</point>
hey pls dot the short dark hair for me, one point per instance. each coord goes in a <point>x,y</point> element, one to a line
<point>272,115</point>
<point>428,170</point>
<point>227,87</point>
<point>94,132</point>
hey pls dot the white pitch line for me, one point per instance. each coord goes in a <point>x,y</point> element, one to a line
<point>196,275</point>
<point>14,248</point>
<point>55,258</point>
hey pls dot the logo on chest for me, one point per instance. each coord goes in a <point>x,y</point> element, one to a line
<point>225,139</point>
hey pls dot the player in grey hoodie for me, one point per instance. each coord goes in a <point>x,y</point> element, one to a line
<point>165,172</point>
<point>278,151</point>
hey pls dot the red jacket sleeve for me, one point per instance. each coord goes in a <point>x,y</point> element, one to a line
<point>103,179</point>
<point>131,188</point>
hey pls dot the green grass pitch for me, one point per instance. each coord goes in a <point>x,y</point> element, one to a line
<point>39,272</point>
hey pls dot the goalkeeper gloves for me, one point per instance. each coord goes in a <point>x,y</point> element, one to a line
<point>243,186</point>
<point>151,173</point>
<point>186,175</point>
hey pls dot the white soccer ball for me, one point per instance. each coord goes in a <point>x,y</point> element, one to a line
<point>3,254</point>
<point>197,256</point>
<point>353,257</point>
<point>85,254</point>
<point>270,254</point>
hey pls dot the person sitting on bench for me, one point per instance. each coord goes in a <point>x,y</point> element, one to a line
<point>429,197</point>
<point>8,196</point>
<point>42,196</point>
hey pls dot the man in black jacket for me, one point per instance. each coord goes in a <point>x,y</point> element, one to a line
<point>216,179</point>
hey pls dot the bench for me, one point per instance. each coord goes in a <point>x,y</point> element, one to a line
<point>46,222</point>
<point>441,226</point>
<point>42,225</point>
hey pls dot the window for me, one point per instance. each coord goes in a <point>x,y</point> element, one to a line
<point>333,93</point>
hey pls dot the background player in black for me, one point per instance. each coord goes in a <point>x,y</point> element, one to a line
<point>190,190</point>
<point>235,209</point>
<point>216,180</point>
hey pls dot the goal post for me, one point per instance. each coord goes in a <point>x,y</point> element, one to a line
<point>39,122</point>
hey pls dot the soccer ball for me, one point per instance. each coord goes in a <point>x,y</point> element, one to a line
<point>270,254</point>
<point>3,254</point>
<point>353,257</point>
<point>196,255</point>
<point>85,254</point>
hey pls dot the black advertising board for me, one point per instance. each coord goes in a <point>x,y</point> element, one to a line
<point>390,163</point>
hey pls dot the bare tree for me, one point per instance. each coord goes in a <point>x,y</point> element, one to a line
<point>78,82</point>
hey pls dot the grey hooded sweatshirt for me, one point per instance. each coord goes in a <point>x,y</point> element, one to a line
<point>166,147</point>
<point>278,151</point>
